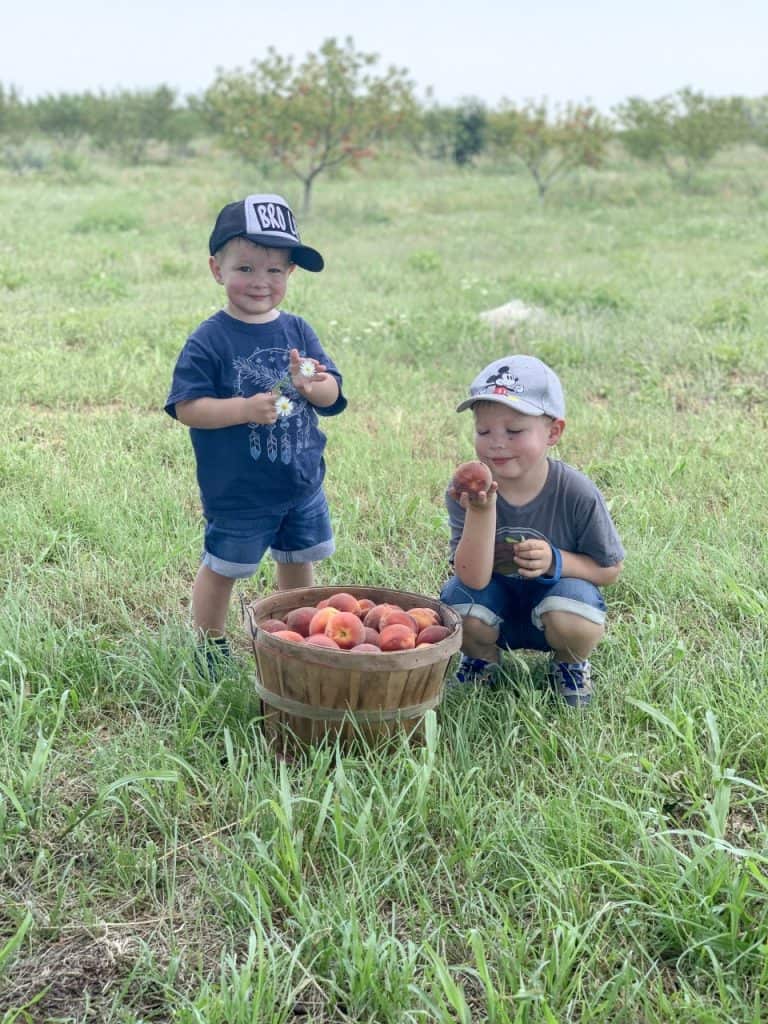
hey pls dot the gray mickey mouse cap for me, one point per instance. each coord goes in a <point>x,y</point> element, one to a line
<point>268,220</point>
<point>521,382</point>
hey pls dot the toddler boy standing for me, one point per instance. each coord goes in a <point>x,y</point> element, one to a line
<point>531,553</point>
<point>250,383</point>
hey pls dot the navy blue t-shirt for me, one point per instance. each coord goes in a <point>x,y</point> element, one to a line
<point>251,466</point>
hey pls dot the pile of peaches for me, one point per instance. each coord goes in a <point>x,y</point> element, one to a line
<point>343,622</point>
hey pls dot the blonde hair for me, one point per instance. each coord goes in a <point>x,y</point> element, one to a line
<point>257,245</point>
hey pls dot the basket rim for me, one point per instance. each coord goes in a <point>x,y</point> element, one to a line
<point>413,658</point>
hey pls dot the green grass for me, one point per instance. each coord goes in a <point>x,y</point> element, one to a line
<point>524,865</point>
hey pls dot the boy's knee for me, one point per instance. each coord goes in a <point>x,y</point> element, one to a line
<point>475,630</point>
<point>573,603</point>
<point>567,629</point>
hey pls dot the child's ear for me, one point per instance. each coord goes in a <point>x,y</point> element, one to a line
<point>556,428</point>
<point>215,269</point>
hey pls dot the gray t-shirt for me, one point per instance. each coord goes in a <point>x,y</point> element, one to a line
<point>569,512</point>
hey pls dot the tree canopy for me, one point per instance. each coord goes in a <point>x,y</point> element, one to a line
<point>549,143</point>
<point>683,130</point>
<point>329,110</point>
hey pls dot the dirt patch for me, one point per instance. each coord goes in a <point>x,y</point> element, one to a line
<point>75,978</point>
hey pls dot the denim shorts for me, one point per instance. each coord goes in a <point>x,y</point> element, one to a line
<point>516,606</point>
<point>234,545</point>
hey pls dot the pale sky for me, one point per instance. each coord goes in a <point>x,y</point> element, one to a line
<point>598,50</point>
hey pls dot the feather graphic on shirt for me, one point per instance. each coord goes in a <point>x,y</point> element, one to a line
<point>285,442</point>
<point>271,445</point>
<point>255,442</point>
<point>268,370</point>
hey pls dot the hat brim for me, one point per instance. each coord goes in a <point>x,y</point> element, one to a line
<point>306,258</point>
<point>513,403</point>
<point>302,255</point>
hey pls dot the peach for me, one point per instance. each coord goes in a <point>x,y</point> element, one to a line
<point>272,625</point>
<point>371,636</point>
<point>290,635</point>
<point>432,635</point>
<point>346,629</point>
<point>300,618</point>
<point>321,618</point>
<point>344,603</point>
<point>472,477</point>
<point>323,603</point>
<point>321,640</point>
<point>397,638</point>
<point>397,615</point>
<point>365,605</point>
<point>366,649</point>
<point>373,615</point>
<point>424,617</point>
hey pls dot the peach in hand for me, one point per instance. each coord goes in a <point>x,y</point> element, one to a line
<point>471,478</point>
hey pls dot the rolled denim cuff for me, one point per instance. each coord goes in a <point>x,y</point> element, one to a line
<point>555,577</point>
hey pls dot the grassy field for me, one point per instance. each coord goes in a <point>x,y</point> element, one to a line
<point>526,864</point>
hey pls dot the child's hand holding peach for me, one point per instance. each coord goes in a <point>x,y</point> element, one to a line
<point>472,484</point>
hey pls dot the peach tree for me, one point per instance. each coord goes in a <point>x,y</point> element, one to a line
<point>682,131</point>
<point>549,143</point>
<point>334,108</point>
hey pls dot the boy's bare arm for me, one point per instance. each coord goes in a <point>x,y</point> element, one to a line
<point>212,413</point>
<point>473,558</point>
<point>583,567</point>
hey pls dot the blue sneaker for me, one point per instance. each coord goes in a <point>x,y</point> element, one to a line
<point>573,681</point>
<point>476,672</point>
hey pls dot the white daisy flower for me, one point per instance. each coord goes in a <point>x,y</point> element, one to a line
<point>307,368</point>
<point>284,406</point>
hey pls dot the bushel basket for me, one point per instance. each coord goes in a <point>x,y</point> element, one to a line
<point>310,693</point>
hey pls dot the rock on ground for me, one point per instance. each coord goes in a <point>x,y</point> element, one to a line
<point>511,314</point>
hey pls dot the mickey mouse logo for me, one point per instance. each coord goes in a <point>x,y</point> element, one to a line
<point>504,382</point>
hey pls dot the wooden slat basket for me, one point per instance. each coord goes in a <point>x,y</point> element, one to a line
<point>312,693</point>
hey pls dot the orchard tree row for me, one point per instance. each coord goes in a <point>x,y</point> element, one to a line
<point>338,106</point>
<point>124,123</point>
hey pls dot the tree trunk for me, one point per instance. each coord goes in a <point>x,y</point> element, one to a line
<point>306,202</point>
